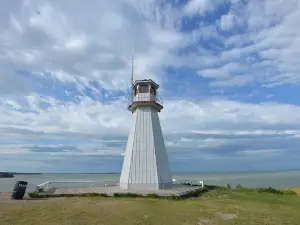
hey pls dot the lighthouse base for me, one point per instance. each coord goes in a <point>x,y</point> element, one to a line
<point>141,187</point>
<point>176,190</point>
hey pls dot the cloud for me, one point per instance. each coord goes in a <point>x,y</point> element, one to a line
<point>227,22</point>
<point>267,49</point>
<point>202,125</point>
<point>201,6</point>
<point>263,43</point>
<point>20,85</point>
<point>49,37</point>
<point>64,78</point>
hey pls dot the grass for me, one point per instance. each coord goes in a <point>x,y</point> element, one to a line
<point>295,189</point>
<point>217,206</point>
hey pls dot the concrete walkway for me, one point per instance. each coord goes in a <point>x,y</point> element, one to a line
<point>177,190</point>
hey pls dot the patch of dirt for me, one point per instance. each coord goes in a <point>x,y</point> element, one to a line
<point>146,217</point>
<point>204,221</point>
<point>110,202</point>
<point>226,216</point>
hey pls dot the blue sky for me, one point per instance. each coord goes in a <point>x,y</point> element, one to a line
<point>228,71</point>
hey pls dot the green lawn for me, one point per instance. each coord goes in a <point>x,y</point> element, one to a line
<point>295,189</point>
<point>219,206</point>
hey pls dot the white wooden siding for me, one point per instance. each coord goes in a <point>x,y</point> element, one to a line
<point>146,164</point>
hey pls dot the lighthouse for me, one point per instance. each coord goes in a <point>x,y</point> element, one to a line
<point>145,165</point>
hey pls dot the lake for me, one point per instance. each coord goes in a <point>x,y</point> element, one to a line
<point>282,179</point>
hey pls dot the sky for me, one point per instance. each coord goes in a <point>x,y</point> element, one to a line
<point>228,70</point>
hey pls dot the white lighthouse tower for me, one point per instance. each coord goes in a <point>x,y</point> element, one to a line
<point>145,165</point>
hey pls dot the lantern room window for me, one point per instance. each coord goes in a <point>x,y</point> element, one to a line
<point>143,89</point>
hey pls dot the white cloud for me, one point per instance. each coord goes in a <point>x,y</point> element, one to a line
<point>201,6</point>
<point>227,22</point>
<point>264,43</point>
<point>10,165</point>
<point>260,152</point>
<point>223,71</point>
<point>49,43</point>
<point>94,120</point>
<point>50,37</point>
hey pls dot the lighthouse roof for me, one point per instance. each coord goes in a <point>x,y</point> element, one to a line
<point>146,81</point>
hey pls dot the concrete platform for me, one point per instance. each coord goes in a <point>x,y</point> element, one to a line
<point>177,190</point>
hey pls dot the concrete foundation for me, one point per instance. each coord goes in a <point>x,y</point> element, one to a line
<point>153,186</point>
<point>176,190</point>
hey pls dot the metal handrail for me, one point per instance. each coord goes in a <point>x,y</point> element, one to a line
<point>40,186</point>
<point>45,185</point>
<point>113,183</point>
<point>189,182</point>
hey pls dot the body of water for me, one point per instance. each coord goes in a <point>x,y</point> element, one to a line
<point>282,179</point>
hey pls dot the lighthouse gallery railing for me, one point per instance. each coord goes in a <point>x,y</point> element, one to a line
<point>145,97</point>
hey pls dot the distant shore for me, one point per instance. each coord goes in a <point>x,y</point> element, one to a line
<point>19,173</point>
<point>15,173</point>
<point>11,174</point>
<point>6,175</point>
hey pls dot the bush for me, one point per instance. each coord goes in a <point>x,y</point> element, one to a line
<point>211,187</point>
<point>103,195</point>
<point>33,194</point>
<point>131,195</point>
<point>289,192</point>
<point>95,194</point>
<point>276,191</point>
<point>269,190</point>
<point>41,190</point>
<point>152,195</point>
<point>238,186</point>
<point>117,195</point>
<point>175,197</point>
